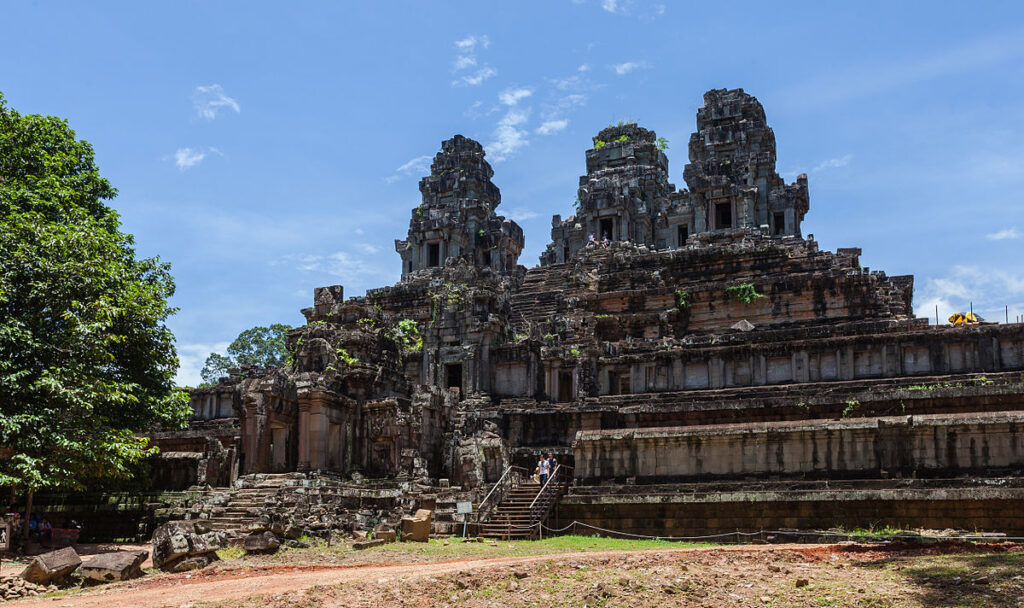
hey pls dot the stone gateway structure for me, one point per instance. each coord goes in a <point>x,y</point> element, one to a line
<point>699,362</point>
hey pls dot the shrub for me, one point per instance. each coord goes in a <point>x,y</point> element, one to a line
<point>744,292</point>
<point>683,299</point>
<point>346,358</point>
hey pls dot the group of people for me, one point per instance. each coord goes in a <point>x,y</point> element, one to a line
<point>39,527</point>
<point>545,468</point>
<point>604,242</point>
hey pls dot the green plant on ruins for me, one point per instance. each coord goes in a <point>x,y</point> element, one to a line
<point>662,143</point>
<point>599,144</point>
<point>851,407</point>
<point>86,359</point>
<point>408,335</point>
<point>345,357</point>
<point>683,299</point>
<point>622,139</point>
<point>744,292</point>
<point>443,296</point>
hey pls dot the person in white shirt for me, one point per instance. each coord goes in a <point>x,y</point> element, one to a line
<point>545,470</point>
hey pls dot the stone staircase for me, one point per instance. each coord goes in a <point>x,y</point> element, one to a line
<point>511,520</point>
<point>524,507</point>
<point>542,294</point>
<point>243,504</point>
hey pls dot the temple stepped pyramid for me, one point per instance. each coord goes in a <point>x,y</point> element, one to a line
<point>694,361</point>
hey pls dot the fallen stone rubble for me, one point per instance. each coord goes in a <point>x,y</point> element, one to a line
<point>15,587</point>
<point>112,567</point>
<point>179,546</point>
<point>54,567</point>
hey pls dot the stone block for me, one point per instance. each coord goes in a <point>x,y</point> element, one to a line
<point>261,542</point>
<point>417,527</point>
<point>171,542</point>
<point>53,567</point>
<point>192,563</point>
<point>176,541</point>
<point>117,566</point>
<point>366,544</point>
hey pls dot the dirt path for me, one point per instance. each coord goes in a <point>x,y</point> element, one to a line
<point>184,589</point>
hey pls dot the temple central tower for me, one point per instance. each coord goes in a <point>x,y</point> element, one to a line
<point>456,219</point>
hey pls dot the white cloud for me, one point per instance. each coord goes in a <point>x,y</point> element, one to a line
<point>987,290</point>
<point>624,68</point>
<point>610,6</point>
<point>368,249</point>
<point>464,61</point>
<point>898,72</point>
<point>549,127</point>
<point>508,137</point>
<point>511,97</point>
<point>519,214</point>
<point>415,167</point>
<point>337,264</point>
<point>186,158</point>
<point>470,42</point>
<point>191,357</point>
<point>1002,235</point>
<point>473,111</point>
<point>583,68</point>
<point>833,163</point>
<point>476,78</point>
<point>211,99</point>
<point>467,59</point>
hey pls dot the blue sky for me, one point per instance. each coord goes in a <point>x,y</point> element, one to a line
<point>268,148</point>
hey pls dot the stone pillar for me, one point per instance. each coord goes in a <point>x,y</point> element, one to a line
<point>317,437</point>
<point>303,438</point>
<point>716,373</point>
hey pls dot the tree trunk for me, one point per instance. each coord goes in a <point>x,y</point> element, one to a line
<point>28,514</point>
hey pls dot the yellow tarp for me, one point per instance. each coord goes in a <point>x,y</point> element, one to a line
<point>964,317</point>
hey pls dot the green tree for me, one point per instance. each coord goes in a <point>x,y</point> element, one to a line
<point>259,346</point>
<point>215,367</point>
<point>86,360</point>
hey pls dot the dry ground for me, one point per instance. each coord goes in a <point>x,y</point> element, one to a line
<point>643,575</point>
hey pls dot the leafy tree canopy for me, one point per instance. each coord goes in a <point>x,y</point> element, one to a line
<point>86,360</point>
<point>259,346</point>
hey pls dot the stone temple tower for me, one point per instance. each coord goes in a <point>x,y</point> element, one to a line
<point>456,219</point>
<point>618,199</point>
<point>731,174</point>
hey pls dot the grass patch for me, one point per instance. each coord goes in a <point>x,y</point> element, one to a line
<point>233,552</point>
<point>555,544</point>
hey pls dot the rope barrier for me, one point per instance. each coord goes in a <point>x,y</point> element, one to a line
<point>737,534</point>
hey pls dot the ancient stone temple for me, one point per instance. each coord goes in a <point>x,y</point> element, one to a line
<point>699,362</point>
<point>626,195</point>
<point>456,219</point>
